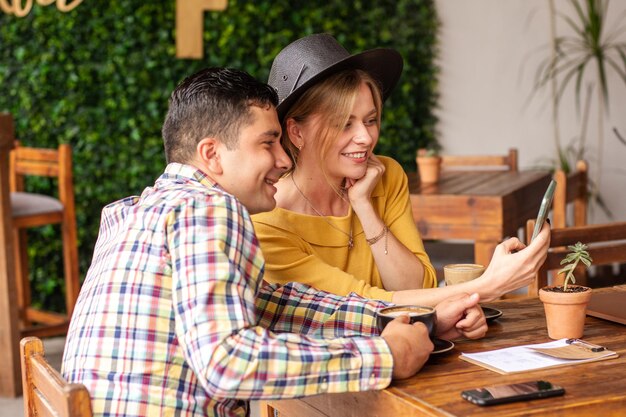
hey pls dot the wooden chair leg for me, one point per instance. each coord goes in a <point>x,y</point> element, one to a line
<point>36,322</point>
<point>70,264</point>
<point>22,275</point>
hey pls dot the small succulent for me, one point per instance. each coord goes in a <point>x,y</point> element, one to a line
<point>427,152</point>
<point>577,253</point>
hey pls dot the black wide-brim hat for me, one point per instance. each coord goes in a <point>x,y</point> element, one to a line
<point>304,62</point>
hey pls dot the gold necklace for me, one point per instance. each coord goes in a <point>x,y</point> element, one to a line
<point>349,235</point>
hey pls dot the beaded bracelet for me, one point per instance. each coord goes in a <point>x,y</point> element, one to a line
<point>376,238</point>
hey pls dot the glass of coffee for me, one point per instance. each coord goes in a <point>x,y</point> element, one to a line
<point>458,273</point>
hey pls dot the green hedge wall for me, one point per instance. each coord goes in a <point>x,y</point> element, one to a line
<point>99,77</point>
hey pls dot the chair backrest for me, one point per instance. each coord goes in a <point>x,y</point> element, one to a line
<point>570,188</point>
<point>43,162</point>
<point>506,162</point>
<point>46,393</point>
<point>607,245</point>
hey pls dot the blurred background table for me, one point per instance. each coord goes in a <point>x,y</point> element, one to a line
<point>591,389</point>
<point>482,206</point>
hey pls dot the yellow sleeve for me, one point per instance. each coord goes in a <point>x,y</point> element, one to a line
<point>289,258</point>
<point>395,210</point>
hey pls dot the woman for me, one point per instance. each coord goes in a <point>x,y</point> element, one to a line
<point>343,221</point>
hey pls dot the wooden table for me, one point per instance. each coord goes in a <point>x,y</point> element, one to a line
<point>592,389</point>
<point>483,206</point>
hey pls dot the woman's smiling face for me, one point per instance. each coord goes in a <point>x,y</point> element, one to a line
<point>347,157</point>
<point>351,146</point>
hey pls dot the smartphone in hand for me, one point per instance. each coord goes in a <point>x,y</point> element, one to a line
<point>546,203</point>
<point>500,394</point>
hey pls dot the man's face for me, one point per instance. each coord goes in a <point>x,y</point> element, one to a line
<point>251,170</point>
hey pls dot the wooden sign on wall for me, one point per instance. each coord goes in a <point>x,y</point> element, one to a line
<point>190,25</point>
<point>21,8</point>
<point>189,19</point>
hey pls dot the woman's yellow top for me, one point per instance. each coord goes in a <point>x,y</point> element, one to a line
<point>303,248</point>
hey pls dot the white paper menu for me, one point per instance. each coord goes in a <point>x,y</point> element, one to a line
<point>524,358</point>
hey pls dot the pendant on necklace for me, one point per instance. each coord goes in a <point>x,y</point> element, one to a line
<point>323,217</point>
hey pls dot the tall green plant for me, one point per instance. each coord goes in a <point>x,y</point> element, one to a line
<point>591,44</point>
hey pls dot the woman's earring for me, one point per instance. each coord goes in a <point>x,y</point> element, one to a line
<point>300,146</point>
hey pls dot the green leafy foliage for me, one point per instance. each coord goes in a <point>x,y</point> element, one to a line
<point>578,253</point>
<point>591,44</point>
<point>99,78</point>
<point>584,59</point>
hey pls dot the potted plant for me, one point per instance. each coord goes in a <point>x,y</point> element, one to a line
<point>566,305</point>
<point>428,165</point>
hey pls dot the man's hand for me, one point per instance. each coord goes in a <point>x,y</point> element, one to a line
<point>460,315</point>
<point>409,345</point>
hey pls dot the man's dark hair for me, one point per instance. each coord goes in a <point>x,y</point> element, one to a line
<point>214,102</point>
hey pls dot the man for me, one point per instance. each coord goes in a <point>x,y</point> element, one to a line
<point>173,318</point>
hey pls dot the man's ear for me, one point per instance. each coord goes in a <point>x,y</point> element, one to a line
<point>207,151</point>
<point>294,133</point>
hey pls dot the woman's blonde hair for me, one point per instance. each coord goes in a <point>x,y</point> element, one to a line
<point>333,100</point>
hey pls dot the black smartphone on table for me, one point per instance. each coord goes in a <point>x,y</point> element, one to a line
<point>546,203</point>
<point>500,394</point>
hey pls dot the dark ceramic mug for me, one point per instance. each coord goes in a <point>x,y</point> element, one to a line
<point>426,315</point>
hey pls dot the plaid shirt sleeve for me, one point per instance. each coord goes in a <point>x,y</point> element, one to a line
<point>217,267</point>
<point>299,308</point>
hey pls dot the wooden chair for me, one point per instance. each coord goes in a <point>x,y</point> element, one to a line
<point>35,210</point>
<point>46,393</point>
<point>607,245</point>
<point>570,188</point>
<point>443,252</point>
<point>506,162</point>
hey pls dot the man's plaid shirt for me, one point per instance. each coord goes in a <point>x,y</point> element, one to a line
<point>173,319</point>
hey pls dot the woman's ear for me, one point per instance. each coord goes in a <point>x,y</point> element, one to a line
<point>294,133</point>
<point>207,151</point>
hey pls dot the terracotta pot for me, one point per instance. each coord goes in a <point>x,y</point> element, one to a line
<point>429,168</point>
<point>565,312</point>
